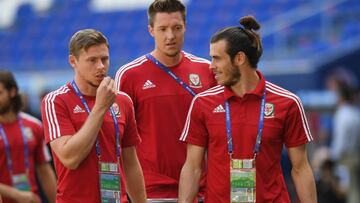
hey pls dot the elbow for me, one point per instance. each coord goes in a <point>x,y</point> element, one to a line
<point>71,164</point>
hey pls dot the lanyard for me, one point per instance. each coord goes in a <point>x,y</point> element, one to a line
<point>171,74</point>
<point>117,130</point>
<point>7,147</point>
<point>260,127</point>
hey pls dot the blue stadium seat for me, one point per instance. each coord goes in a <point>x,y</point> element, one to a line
<point>38,40</point>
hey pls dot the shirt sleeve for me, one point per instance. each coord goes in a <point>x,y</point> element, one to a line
<point>131,135</point>
<point>297,131</point>
<point>194,131</point>
<point>124,84</point>
<point>56,118</point>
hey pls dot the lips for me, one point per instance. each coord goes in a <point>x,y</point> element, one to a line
<point>170,44</point>
<point>100,76</point>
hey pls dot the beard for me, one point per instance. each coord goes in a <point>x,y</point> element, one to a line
<point>6,107</point>
<point>93,85</point>
<point>235,75</point>
<point>173,54</point>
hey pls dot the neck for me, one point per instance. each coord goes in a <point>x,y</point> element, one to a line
<point>8,117</point>
<point>168,61</point>
<point>247,83</point>
<point>85,88</point>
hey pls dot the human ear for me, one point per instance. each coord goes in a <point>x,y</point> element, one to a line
<point>240,58</point>
<point>151,30</point>
<point>72,60</point>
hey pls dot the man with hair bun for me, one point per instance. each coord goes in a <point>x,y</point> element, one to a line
<point>242,125</point>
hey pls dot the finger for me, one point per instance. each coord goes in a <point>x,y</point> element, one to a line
<point>106,81</point>
<point>113,86</point>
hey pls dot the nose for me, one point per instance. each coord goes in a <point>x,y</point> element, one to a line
<point>170,34</point>
<point>212,65</point>
<point>100,65</point>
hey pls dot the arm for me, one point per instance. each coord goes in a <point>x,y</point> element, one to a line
<point>17,195</point>
<point>302,174</point>
<point>47,180</point>
<point>191,174</point>
<point>72,150</point>
<point>134,176</point>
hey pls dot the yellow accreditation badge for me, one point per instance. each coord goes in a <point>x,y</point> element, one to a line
<point>110,182</point>
<point>242,180</point>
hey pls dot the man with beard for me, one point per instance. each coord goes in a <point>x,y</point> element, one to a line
<point>22,149</point>
<point>92,131</point>
<point>162,85</point>
<point>242,125</point>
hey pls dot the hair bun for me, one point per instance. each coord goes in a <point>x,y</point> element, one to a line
<point>250,23</point>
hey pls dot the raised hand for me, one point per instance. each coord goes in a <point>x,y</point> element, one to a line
<point>106,93</point>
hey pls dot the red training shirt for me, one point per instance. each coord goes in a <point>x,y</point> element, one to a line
<point>284,123</point>
<point>38,153</point>
<point>160,107</point>
<point>64,114</point>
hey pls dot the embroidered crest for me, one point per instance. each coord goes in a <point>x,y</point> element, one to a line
<point>194,80</point>
<point>116,109</point>
<point>28,133</point>
<point>269,110</point>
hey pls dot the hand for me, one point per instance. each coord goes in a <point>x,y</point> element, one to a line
<point>27,197</point>
<point>106,93</point>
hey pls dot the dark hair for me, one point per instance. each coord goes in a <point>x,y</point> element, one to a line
<point>165,6</point>
<point>83,39</point>
<point>328,164</point>
<point>345,91</point>
<point>243,39</point>
<point>9,82</point>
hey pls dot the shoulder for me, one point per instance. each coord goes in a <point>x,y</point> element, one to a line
<point>129,67</point>
<point>195,59</point>
<point>30,119</point>
<point>280,92</point>
<point>210,93</point>
<point>124,98</point>
<point>56,94</point>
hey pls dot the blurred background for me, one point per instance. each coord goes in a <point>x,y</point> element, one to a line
<point>310,48</point>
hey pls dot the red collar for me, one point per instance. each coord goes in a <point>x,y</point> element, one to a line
<point>258,91</point>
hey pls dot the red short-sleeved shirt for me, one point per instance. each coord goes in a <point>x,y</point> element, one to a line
<point>64,114</point>
<point>38,152</point>
<point>284,123</point>
<point>161,105</point>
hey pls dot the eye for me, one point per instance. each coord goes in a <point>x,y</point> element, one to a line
<point>105,59</point>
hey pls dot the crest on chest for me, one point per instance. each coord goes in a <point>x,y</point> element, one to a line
<point>28,133</point>
<point>269,110</point>
<point>115,107</point>
<point>194,80</point>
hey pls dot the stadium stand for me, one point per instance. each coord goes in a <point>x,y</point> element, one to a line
<point>298,35</point>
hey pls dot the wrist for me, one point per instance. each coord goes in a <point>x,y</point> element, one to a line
<point>14,194</point>
<point>99,110</point>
